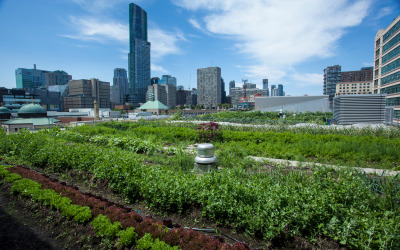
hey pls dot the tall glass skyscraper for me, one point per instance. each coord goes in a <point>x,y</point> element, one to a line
<point>332,75</point>
<point>139,54</point>
<point>280,90</point>
<point>120,88</point>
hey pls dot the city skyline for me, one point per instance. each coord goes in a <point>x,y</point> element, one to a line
<point>261,39</point>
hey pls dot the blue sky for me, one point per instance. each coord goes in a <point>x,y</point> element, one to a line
<point>289,42</point>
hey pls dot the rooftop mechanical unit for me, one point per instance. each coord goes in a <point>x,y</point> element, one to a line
<point>352,109</point>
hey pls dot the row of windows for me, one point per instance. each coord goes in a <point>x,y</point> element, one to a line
<point>392,30</point>
<point>391,43</point>
<point>393,101</point>
<point>396,114</point>
<point>395,52</point>
<point>354,84</point>
<point>354,90</point>
<point>391,66</point>
<point>354,87</point>
<point>390,78</point>
<point>391,90</point>
<point>364,93</point>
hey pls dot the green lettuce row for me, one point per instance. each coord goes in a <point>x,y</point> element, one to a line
<point>32,189</point>
<point>104,228</point>
<point>102,224</point>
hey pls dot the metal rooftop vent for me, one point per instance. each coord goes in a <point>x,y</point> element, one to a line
<point>205,159</point>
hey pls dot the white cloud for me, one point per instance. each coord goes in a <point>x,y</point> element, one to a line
<point>195,23</point>
<point>198,26</point>
<point>368,64</point>
<point>278,35</point>
<point>309,79</point>
<point>91,29</point>
<point>384,12</point>
<point>158,68</point>
<point>164,43</point>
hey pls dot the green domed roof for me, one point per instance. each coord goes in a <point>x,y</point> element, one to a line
<point>32,109</point>
<point>4,110</point>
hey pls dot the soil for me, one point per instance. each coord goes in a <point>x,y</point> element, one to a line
<point>43,228</point>
<point>25,224</point>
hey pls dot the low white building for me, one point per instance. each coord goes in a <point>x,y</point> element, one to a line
<point>300,104</point>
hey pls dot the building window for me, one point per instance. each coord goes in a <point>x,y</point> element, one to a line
<point>378,42</point>
<point>390,78</point>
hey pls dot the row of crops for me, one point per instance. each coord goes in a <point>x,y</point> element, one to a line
<point>341,205</point>
<point>111,222</point>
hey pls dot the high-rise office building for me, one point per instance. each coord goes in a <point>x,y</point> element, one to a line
<point>332,75</point>
<point>387,65</point>
<point>265,85</point>
<point>120,88</point>
<point>209,87</point>
<point>155,80</point>
<point>249,85</point>
<point>274,90</point>
<point>30,78</point>
<point>171,94</point>
<point>168,79</point>
<point>83,93</point>
<point>280,90</point>
<point>57,77</point>
<point>139,54</point>
<point>157,92</point>
<point>231,86</point>
<point>36,78</point>
<point>223,92</point>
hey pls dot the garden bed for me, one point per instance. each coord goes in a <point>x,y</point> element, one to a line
<point>263,208</point>
<point>46,228</point>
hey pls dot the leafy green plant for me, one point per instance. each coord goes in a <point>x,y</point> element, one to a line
<point>127,237</point>
<point>11,177</point>
<point>25,187</point>
<point>208,132</point>
<point>3,171</point>
<point>147,242</point>
<point>29,188</point>
<point>104,228</point>
<point>78,213</point>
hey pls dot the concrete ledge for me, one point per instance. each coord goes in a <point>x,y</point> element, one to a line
<point>311,164</point>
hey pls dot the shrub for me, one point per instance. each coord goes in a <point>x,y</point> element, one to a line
<point>208,132</point>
